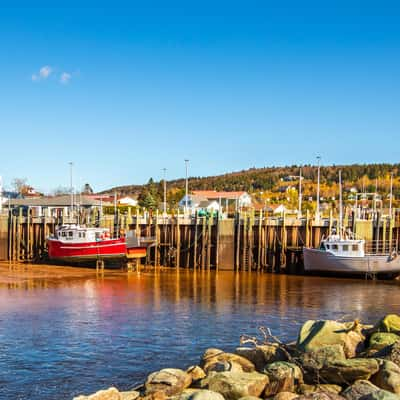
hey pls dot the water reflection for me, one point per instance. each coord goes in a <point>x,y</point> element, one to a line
<point>64,331</point>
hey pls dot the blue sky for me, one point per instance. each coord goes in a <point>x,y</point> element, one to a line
<point>229,85</point>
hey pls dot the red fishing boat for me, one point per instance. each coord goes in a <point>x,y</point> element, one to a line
<point>75,243</point>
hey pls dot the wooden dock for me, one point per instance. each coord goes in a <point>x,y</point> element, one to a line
<point>245,242</point>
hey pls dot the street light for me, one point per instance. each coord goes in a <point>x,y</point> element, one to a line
<point>186,185</point>
<point>165,192</point>
<point>318,182</point>
<point>391,195</point>
<point>300,194</point>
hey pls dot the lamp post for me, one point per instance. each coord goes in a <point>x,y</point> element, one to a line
<point>186,185</point>
<point>318,182</point>
<point>300,194</point>
<point>391,195</point>
<point>165,192</point>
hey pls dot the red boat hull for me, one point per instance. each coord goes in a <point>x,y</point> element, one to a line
<point>111,249</point>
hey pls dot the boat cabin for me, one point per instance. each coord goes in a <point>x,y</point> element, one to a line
<point>80,234</point>
<point>343,247</point>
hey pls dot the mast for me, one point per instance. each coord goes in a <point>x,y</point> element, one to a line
<point>71,164</point>
<point>318,183</point>
<point>340,205</point>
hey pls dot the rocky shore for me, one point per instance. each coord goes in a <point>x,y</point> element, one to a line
<point>330,360</point>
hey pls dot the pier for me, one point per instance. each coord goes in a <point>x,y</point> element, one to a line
<point>248,241</point>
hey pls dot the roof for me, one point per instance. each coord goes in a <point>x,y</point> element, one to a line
<point>55,201</point>
<point>213,194</point>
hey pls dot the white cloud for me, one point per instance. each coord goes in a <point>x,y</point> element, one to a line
<point>45,72</point>
<point>65,78</point>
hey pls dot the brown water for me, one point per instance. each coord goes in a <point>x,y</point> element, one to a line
<point>65,331</point>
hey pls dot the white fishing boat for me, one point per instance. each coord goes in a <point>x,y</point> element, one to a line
<point>343,253</point>
<point>340,254</point>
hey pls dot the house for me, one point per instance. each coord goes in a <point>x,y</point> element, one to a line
<point>209,205</point>
<point>243,199</point>
<point>127,201</point>
<point>279,209</point>
<point>192,203</point>
<point>54,205</point>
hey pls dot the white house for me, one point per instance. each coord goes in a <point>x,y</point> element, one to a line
<point>243,199</point>
<point>128,201</point>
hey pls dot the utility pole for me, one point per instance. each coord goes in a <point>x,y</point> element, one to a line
<point>165,192</point>
<point>318,183</point>
<point>300,194</point>
<point>391,195</point>
<point>71,165</point>
<point>186,186</point>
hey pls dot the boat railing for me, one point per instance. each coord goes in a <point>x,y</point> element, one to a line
<point>381,247</point>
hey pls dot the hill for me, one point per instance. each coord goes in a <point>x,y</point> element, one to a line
<point>274,181</point>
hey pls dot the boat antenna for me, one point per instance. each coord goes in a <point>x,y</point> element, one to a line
<point>340,204</point>
<point>71,164</point>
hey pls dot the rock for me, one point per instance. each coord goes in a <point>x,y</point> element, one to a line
<point>158,395</point>
<point>108,394</point>
<point>186,394</point>
<point>234,385</point>
<point>325,355</point>
<point>170,381</point>
<point>379,340</point>
<point>389,323</point>
<point>206,395</point>
<point>283,377</point>
<point>214,356</point>
<point>285,396</point>
<point>316,334</point>
<point>224,366</point>
<point>359,389</point>
<point>261,355</point>
<point>388,377</point>
<point>323,387</point>
<point>380,395</point>
<point>130,395</point>
<point>321,396</point>
<point>196,372</point>
<point>250,398</point>
<point>349,371</point>
<point>391,353</point>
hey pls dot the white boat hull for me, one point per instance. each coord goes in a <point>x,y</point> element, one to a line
<point>323,261</point>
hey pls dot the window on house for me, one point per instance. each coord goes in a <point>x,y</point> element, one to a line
<point>355,247</point>
<point>334,247</point>
<point>345,247</point>
<point>70,233</point>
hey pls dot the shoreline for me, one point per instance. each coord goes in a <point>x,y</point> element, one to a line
<point>330,360</point>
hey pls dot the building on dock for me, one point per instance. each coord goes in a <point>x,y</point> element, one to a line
<point>222,201</point>
<point>53,206</point>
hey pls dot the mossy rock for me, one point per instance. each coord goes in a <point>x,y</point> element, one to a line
<point>316,334</point>
<point>379,340</point>
<point>390,323</point>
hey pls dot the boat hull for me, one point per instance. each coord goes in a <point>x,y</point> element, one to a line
<point>113,249</point>
<point>324,262</point>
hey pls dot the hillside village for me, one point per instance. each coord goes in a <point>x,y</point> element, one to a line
<point>274,190</point>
